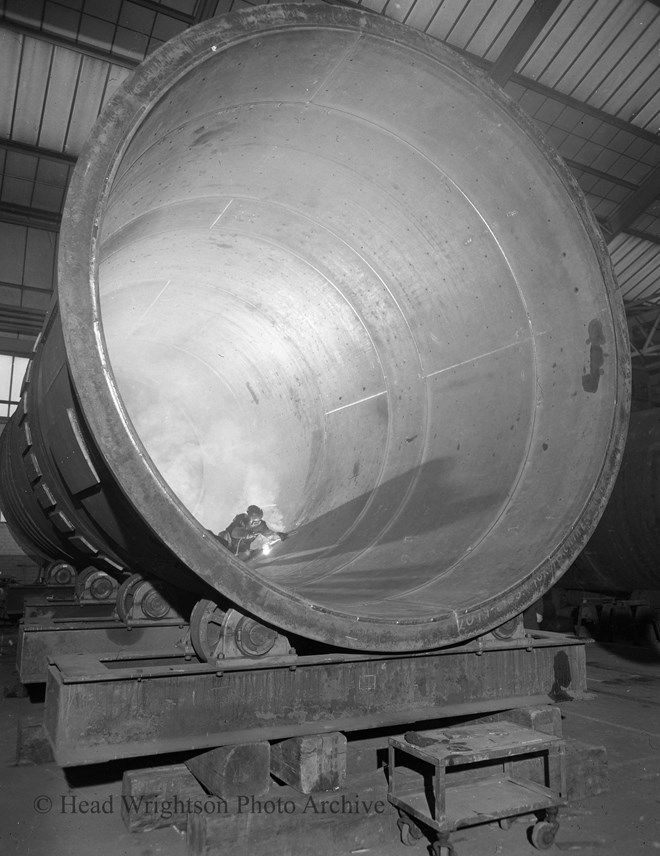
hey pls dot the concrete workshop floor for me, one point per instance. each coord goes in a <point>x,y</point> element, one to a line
<point>622,715</point>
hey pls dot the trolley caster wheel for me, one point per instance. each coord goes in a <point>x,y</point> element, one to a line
<point>410,834</point>
<point>543,834</point>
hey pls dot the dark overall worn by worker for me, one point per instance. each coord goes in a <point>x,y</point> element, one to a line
<point>243,530</point>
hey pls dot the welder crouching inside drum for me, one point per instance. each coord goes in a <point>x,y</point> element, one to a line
<point>239,536</point>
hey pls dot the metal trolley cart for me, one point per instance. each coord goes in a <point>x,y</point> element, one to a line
<point>443,780</point>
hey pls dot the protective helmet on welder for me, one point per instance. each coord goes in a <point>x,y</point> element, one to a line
<point>254,515</point>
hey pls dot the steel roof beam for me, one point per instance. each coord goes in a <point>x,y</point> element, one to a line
<point>206,10</point>
<point>21,215</point>
<point>644,236</point>
<point>117,59</point>
<point>521,41</point>
<point>626,214</point>
<point>28,149</point>
<point>567,100</point>
<point>598,173</point>
<point>17,347</point>
<point>165,10</point>
<point>71,44</point>
<point>15,319</point>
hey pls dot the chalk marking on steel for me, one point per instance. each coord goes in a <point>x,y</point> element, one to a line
<point>478,357</point>
<point>154,301</point>
<point>353,403</point>
<point>220,214</point>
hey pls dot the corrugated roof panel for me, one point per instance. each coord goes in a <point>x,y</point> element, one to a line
<point>625,251</point>
<point>59,101</point>
<point>96,32</point>
<point>566,30</point>
<point>445,20</point>
<point>645,112</point>
<point>21,165</point>
<point>631,170</point>
<point>649,221</point>
<point>496,28</point>
<point>31,90</point>
<point>576,27</point>
<point>12,252</point>
<point>48,197</point>
<point>467,22</point>
<point>644,281</point>
<point>571,146</point>
<point>643,150</point>
<point>602,208</point>
<point>420,14</point>
<point>631,263</point>
<point>40,259</point>
<point>116,75</point>
<point>16,191</point>
<point>605,53</point>
<point>629,59</point>
<point>166,28</point>
<point>89,93</point>
<point>106,9</point>
<point>61,20</point>
<point>616,193</point>
<point>187,6</point>
<point>397,9</point>
<point>591,68</point>
<point>620,246</point>
<point>11,46</point>
<point>555,135</point>
<point>636,100</point>
<point>131,44</point>
<point>24,11</point>
<point>137,18</point>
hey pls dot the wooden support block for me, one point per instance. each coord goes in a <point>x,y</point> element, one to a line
<point>586,770</point>
<point>311,764</point>
<point>160,796</point>
<point>546,718</point>
<point>288,823</point>
<point>231,771</point>
<point>32,744</point>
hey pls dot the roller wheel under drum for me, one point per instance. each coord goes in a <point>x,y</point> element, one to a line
<point>206,630</point>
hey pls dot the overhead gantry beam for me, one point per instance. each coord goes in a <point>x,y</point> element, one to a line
<point>38,151</point>
<point>21,215</point>
<point>625,215</point>
<point>206,9</point>
<point>17,319</point>
<point>17,347</point>
<point>521,41</point>
<point>71,44</point>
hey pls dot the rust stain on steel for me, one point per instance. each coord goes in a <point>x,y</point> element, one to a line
<point>595,341</point>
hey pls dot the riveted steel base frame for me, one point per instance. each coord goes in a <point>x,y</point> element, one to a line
<point>39,642</point>
<point>99,710</point>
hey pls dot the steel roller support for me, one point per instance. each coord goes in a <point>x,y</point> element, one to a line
<point>314,260</point>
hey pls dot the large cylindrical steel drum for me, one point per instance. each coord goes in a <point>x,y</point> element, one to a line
<point>313,260</point>
<point>623,554</point>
